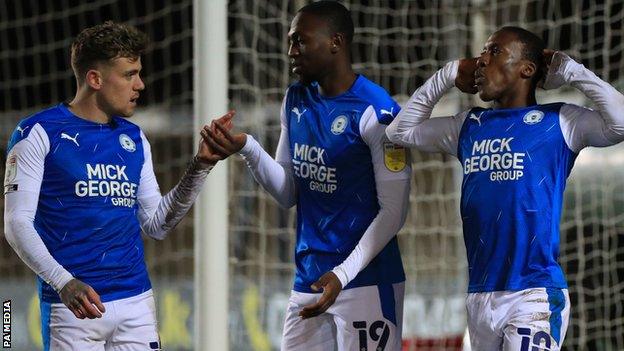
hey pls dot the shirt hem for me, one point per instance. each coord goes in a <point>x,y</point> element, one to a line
<point>480,289</point>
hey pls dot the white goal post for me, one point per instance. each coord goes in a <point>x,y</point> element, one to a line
<point>211,210</point>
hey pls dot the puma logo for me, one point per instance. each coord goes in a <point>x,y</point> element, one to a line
<point>19,129</point>
<point>386,112</point>
<point>74,139</point>
<point>299,114</point>
<point>476,118</point>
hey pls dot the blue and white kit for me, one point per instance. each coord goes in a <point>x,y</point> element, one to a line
<point>515,164</point>
<point>351,187</point>
<point>78,195</point>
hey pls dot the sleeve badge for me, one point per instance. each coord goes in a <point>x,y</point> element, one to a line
<point>395,157</point>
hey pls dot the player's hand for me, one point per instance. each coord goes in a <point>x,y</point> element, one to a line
<point>221,140</point>
<point>465,80</point>
<point>331,286</point>
<point>549,79</point>
<point>207,155</point>
<point>547,57</point>
<point>82,300</point>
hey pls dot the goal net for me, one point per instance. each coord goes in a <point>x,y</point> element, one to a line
<point>397,44</point>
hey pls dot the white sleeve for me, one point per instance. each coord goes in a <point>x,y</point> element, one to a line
<point>413,126</point>
<point>581,126</point>
<point>148,192</point>
<point>157,214</point>
<point>275,175</point>
<point>393,189</point>
<point>24,173</point>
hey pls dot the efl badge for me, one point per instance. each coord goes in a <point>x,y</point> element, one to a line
<point>10,174</point>
<point>127,143</point>
<point>533,117</point>
<point>339,125</point>
<point>395,157</point>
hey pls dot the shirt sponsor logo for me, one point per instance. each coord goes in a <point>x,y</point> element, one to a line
<point>309,164</point>
<point>533,117</point>
<point>107,180</point>
<point>339,125</point>
<point>127,143</point>
<point>395,157</point>
<point>495,156</point>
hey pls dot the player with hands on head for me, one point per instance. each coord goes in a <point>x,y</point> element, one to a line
<point>516,157</point>
<point>79,191</point>
<point>350,186</point>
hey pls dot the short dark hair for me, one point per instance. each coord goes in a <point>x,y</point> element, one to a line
<point>104,42</point>
<point>533,47</point>
<point>336,15</point>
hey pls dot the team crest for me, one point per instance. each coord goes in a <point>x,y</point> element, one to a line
<point>10,173</point>
<point>395,157</point>
<point>127,143</point>
<point>533,117</point>
<point>339,125</point>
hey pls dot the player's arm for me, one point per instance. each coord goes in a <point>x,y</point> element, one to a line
<point>582,126</point>
<point>392,194</point>
<point>413,126</point>
<point>274,175</point>
<point>158,215</point>
<point>25,167</point>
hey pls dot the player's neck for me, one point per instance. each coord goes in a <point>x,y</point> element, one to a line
<point>84,105</point>
<point>516,100</point>
<point>337,81</point>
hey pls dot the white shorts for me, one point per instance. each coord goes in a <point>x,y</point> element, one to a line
<point>364,318</point>
<point>127,325</point>
<point>527,320</point>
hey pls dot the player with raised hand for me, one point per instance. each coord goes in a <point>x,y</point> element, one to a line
<point>79,190</point>
<point>516,158</point>
<point>350,186</point>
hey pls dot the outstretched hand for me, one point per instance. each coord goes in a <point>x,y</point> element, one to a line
<point>331,287</point>
<point>207,154</point>
<point>221,141</point>
<point>465,80</point>
<point>82,300</point>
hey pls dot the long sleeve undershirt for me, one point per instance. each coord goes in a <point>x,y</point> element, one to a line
<point>276,177</point>
<point>157,214</point>
<point>581,127</point>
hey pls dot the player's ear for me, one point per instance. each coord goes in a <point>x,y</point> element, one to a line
<point>337,42</point>
<point>529,69</point>
<point>93,78</point>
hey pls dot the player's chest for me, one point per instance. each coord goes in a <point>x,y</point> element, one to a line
<point>325,134</point>
<point>491,133</point>
<point>94,154</point>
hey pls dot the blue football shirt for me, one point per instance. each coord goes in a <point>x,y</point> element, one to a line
<point>87,210</point>
<point>335,177</point>
<point>515,164</point>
